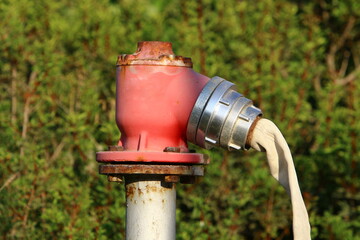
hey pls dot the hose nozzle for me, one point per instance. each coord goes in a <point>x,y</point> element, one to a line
<point>221,117</point>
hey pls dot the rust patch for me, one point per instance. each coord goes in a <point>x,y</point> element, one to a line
<point>130,191</point>
<point>154,53</point>
<point>189,170</point>
<point>140,159</point>
<point>172,178</point>
<point>177,61</point>
<point>140,192</point>
<point>151,188</point>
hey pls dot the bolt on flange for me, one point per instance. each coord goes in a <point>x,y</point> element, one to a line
<point>170,172</point>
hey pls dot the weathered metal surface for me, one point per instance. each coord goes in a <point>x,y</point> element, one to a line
<point>125,169</point>
<point>151,209</point>
<point>142,156</point>
<point>154,53</point>
<point>172,178</point>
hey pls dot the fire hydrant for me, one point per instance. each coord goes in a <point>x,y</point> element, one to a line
<point>161,103</point>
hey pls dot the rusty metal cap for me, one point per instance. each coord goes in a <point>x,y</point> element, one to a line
<point>154,53</point>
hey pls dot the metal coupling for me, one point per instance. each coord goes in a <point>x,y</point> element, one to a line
<point>221,117</point>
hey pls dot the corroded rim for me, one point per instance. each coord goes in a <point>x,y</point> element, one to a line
<point>154,53</point>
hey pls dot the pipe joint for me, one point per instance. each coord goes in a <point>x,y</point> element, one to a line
<point>221,117</point>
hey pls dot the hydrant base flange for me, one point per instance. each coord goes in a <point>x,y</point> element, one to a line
<point>170,173</point>
<point>157,169</point>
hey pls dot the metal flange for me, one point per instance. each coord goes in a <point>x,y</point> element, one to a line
<point>186,170</point>
<point>119,163</point>
<point>170,173</point>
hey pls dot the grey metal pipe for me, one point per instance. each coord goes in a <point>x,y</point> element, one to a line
<point>150,208</point>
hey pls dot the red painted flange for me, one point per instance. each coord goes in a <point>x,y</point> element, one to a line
<point>156,157</point>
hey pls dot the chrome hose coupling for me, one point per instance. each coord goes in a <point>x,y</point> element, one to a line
<point>221,117</point>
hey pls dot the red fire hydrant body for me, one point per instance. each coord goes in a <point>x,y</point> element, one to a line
<point>156,92</point>
<point>153,103</point>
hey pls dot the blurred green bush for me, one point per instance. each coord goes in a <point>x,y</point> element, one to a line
<point>298,60</point>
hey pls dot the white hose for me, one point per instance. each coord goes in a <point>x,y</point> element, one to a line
<point>268,138</point>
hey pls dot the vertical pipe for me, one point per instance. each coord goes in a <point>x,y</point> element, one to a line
<point>150,208</point>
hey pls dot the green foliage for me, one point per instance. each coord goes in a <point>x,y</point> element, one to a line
<point>299,62</point>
